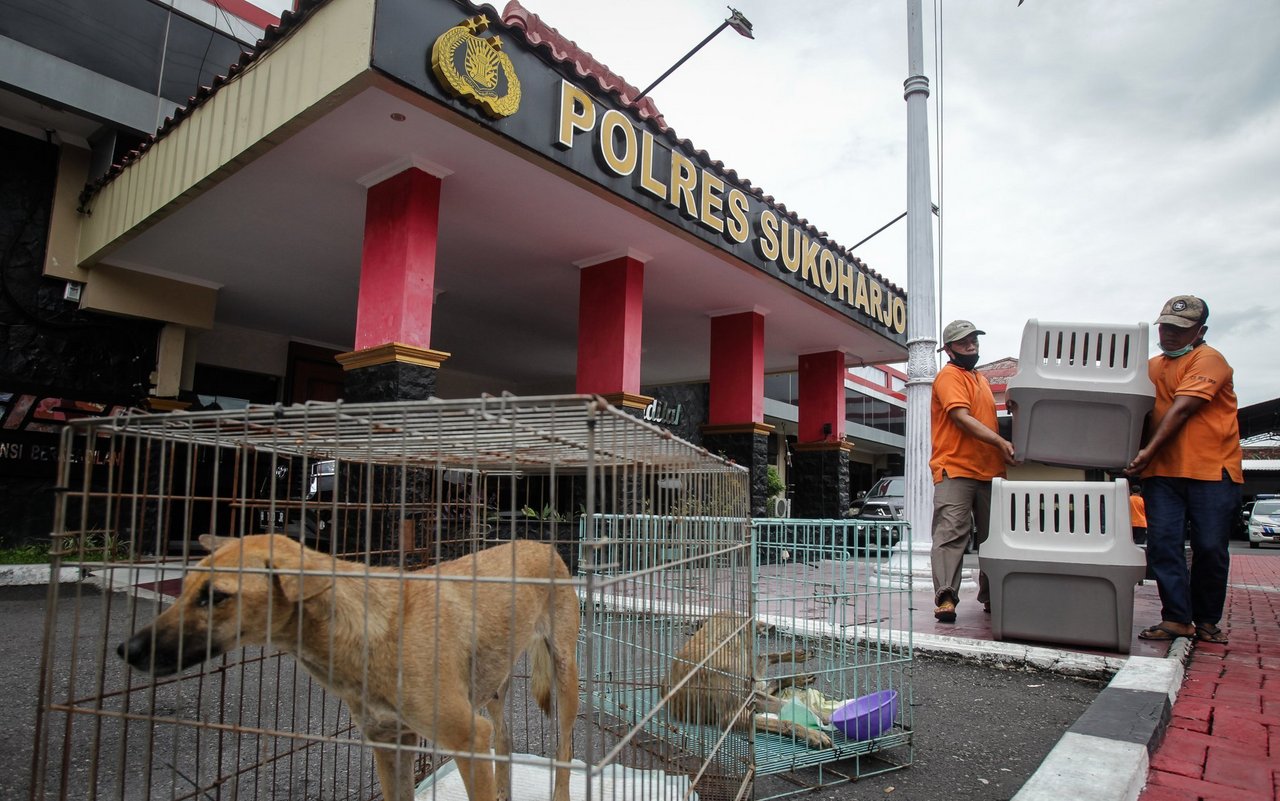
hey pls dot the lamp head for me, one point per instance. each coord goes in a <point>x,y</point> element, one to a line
<point>739,23</point>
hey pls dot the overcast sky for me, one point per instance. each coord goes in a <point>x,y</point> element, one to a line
<point>1096,157</point>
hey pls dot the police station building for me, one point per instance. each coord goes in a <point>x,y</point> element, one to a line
<point>403,198</point>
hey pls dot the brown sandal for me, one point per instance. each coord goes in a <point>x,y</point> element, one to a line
<point>1209,632</point>
<point>1164,632</point>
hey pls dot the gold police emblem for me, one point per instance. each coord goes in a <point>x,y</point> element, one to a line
<point>476,69</point>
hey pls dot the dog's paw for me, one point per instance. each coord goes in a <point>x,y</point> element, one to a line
<point>818,739</point>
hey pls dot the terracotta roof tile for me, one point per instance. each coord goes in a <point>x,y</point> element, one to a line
<point>565,51</point>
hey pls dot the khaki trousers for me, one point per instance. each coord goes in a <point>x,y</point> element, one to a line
<point>958,503</point>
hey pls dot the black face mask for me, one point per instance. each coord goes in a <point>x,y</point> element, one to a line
<point>963,361</point>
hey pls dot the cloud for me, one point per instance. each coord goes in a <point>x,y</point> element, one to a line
<point>1097,157</point>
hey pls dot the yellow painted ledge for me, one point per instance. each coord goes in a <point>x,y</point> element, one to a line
<point>392,352</point>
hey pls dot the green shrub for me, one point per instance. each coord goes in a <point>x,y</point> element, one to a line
<point>30,554</point>
<point>774,483</point>
<point>97,547</point>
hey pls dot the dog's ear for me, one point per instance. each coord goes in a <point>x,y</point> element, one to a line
<point>301,573</point>
<point>211,542</point>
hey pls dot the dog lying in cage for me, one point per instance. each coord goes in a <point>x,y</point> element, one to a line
<point>712,673</point>
<point>412,656</point>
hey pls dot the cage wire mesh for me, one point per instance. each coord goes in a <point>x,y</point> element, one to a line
<point>828,589</point>
<point>828,627</point>
<point>435,534</point>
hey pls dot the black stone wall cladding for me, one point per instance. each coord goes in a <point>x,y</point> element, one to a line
<point>394,381</point>
<point>46,341</point>
<point>28,511</point>
<point>693,400</point>
<point>752,452</point>
<point>821,482</point>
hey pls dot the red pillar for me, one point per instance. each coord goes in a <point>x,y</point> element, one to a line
<point>737,369</point>
<point>398,262</point>
<point>610,315</point>
<point>393,359</point>
<point>821,456</point>
<point>735,418</point>
<point>821,397</point>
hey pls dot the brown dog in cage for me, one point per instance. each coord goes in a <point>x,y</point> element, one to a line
<point>412,654</point>
<point>713,672</point>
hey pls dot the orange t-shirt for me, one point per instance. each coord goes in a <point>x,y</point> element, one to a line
<point>1137,511</point>
<point>1209,441</point>
<point>954,451</point>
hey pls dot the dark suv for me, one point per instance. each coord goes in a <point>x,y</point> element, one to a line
<point>885,500</point>
<point>882,504</point>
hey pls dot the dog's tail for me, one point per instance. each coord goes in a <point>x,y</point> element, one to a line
<point>542,666</point>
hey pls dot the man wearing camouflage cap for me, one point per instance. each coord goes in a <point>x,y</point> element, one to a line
<point>1191,474</point>
<point>967,453</point>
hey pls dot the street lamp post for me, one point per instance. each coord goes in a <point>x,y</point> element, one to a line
<point>921,353</point>
<point>735,20</point>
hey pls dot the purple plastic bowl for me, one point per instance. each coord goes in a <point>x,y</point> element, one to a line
<point>867,717</point>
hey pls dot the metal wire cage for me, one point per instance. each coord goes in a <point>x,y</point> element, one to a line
<point>424,566</point>
<point>828,635</point>
<point>829,589</point>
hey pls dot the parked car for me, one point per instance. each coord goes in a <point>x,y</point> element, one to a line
<point>880,504</point>
<point>1240,527</point>
<point>287,504</point>
<point>1264,522</point>
<point>885,501</point>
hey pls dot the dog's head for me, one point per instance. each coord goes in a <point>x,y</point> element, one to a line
<point>245,592</point>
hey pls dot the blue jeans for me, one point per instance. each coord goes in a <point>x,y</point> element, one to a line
<point>1197,595</point>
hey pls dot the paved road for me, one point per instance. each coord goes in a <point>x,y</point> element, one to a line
<point>980,731</point>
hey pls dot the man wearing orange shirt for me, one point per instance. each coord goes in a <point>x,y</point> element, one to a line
<point>967,453</point>
<point>1137,514</point>
<point>1191,474</point>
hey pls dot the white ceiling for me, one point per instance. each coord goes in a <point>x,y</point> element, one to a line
<point>281,237</point>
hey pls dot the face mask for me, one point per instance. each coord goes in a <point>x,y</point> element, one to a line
<point>963,361</point>
<point>1183,351</point>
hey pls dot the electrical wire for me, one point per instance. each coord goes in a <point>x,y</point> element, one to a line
<point>231,21</point>
<point>164,52</point>
<point>204,58</point>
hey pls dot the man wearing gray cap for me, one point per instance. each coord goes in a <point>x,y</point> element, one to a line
<point>1191,474</point>
<point>967,453</point>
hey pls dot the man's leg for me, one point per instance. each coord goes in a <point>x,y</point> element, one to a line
<point>1166,560</point>
<point>982,520</point>
<point>952,505</point>
<point>1211,506</point>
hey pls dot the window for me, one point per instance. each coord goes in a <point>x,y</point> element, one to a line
<point>874,413</point>
<point>782,387</point>
<point>228,388</point>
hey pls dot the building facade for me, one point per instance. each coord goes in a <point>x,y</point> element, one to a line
<point>394,200</point>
